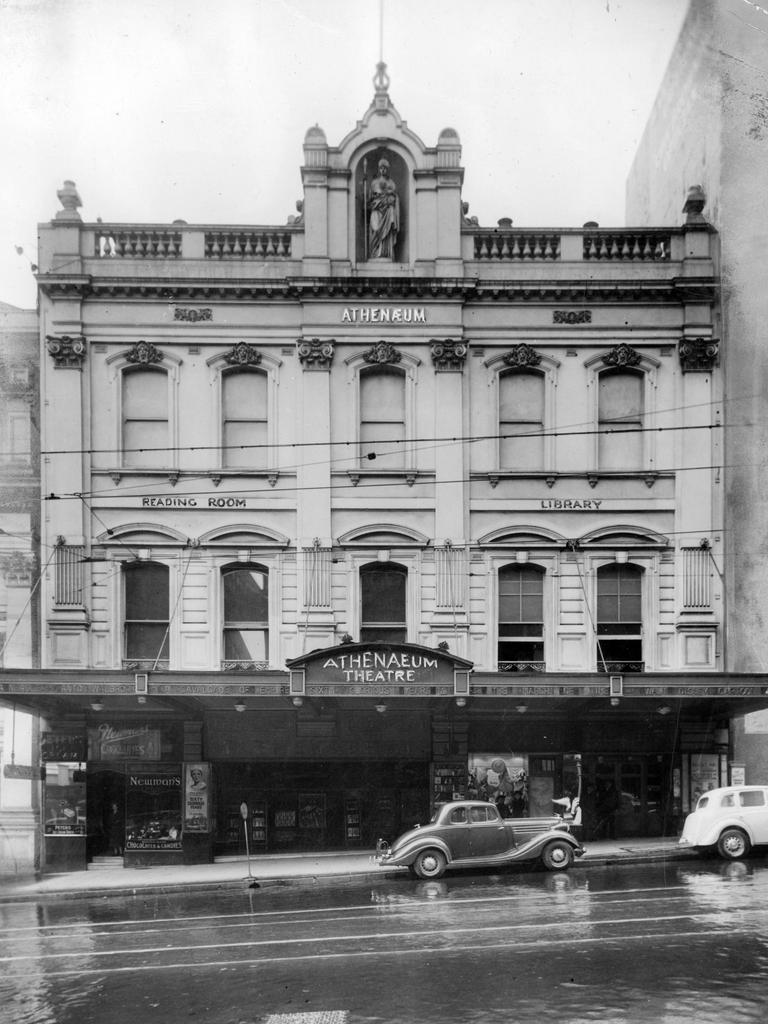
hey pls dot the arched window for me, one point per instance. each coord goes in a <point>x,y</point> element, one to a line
<point>620,408</point>
<point>521,420</point>
<point>145,435</point>
<point>383,602</point>
<point>619,618</point>
<point>246,615</point>
<point>521,619</point>
<point>382,417</point>
<point>244,419</point>
<point>146,602</point>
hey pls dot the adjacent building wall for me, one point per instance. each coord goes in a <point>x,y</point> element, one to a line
<point>710,125</point>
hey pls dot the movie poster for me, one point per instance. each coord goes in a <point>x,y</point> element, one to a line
<point>196,788</point>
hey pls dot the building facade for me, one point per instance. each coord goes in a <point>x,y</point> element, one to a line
<point>376,507</point>
<point>19,571</point>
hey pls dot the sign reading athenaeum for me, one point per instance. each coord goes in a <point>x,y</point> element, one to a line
<point>384,315</point>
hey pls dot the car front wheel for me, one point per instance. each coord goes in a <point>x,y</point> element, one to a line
<point>733,844</point>
<point>557,856</point>
<point>429,864</point>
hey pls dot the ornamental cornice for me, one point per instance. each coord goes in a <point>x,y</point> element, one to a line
<point>522,355</point>
<point>382,352</point>
<point>448,355</point>
<point>315,354</point>
<point>68,351</point>
<point>698,355</point>
<point>622,355</point>
<point>572,291</point>
<point>145,352</point>
<point>243,354</point>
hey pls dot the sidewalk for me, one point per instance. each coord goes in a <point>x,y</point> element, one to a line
<point>279,869</point>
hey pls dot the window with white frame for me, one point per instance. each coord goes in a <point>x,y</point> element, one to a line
<point>244,418</point>
<point>620,618</point>
<point>246,615</point>
<point>145,427</point>
<point>521,420</point>
<point>383,602</point>
<point>521,619</point>
<point>146,601</point>
<point>621,409</point>
<point>382,417</point>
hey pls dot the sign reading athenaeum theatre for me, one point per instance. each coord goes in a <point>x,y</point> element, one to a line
<point>383,667</point>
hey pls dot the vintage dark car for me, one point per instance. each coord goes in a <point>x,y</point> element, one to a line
<point>471,833</point>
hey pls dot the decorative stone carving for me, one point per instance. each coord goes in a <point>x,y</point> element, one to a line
<point>68,352</point>
<point>145,352</point>
<point>382,352</point>
<point>622,355</point>
<point>522,355</point>
<point>243,354</point>
<point>448,355</point>
<point>698,355</point>
<point>572,316</point>
<point>192,316</point>
<point>70,199</point>
<point>315,354</point>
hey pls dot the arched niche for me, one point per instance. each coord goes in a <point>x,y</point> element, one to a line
<point>365,172</point>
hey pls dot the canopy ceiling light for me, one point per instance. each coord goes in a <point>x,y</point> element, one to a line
<point>664,709</point>
<point>297,701</point>
<point>98,704</point>
<point>522,708</point>
<point>381,708</point>
<point>239,706</point>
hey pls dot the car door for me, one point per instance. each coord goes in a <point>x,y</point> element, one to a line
<point>754,812</point>
<point>488,834</point>
<point>455,832</point>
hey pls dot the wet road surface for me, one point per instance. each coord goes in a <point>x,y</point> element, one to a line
<point>685,941</point>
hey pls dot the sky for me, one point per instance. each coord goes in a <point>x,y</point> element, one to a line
<point>197,109</point>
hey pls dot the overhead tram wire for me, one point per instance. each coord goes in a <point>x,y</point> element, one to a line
<point>574,430</point>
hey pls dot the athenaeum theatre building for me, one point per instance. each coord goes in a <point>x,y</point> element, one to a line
<point>346,516</point>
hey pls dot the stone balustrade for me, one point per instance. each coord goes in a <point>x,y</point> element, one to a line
<point>630,244</point>
<point>252,243</point>
<point>516,245</point>
<point>163,243</point>
<point>145,243</point>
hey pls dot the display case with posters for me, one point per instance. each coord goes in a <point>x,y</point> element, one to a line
<point>64,816</point>
<point>64,800</point>
<point>353,820</point>
<point>502,779</point>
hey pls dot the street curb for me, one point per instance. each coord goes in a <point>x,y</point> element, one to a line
<point>164,889</point>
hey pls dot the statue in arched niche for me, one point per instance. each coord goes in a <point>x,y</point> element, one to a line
<point>383,205</point>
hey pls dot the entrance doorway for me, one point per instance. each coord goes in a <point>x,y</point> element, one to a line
<point>626,796</point>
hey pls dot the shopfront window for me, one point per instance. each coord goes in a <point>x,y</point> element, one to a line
<point>246,616</point>
<point>619,618</point>
<point>146,625</point>
<point>521,619</point>
<point>383,603</point>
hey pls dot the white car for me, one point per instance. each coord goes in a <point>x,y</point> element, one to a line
<point>732,820</point>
